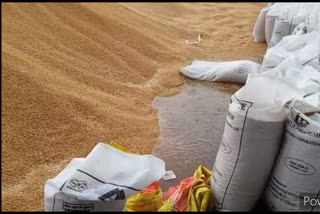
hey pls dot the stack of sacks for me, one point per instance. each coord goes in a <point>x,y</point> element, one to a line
<point>306,47</point>
<point>254,130</point>
<point>280,19</point>
<point>294,181</point>
<point>274,23</point>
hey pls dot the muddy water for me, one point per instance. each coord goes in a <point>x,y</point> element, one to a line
<point>191,128</point>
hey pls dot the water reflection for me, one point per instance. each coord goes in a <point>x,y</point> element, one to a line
<point>191,128</point>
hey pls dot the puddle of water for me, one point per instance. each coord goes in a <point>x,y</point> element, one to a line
<point>191,128</point>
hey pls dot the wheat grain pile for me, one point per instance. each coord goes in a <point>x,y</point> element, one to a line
<point>74,74</point>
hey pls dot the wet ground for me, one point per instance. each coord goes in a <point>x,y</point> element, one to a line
<point>191,128</point>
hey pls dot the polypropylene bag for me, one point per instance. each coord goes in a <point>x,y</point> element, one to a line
<point>306,47</point>
<point>264,25</point>
<point>280,30</point>
<point>312,23</point>
<point>253,132</point>
<point>101,181</point>
<point>285,24</point>
<point>290,15</point>
<point>276,11</point>
<point>193,193</point>
<point>295,180</point>
<point>148,200</point>
<point>259,34</point>
<point>233,71</point>
<point>201,194</point>
<point>304,77</point>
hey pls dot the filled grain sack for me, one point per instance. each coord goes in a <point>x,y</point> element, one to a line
<point>281,11</point>
<point>304,77</point>
<point>284,25</point>
<point>253,133</point>
<point>306,47</point>
<point>295,180</point>
<point>281,29</point>
<point>101,181</point>
<point>259,27</point>
<point>312,23</point>
<point>233,71</point>
<point>280,19</point>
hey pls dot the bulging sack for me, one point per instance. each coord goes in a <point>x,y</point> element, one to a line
<point>306,47</point>
<point>280,19</point>
<point>233,71</point>
<point>259,27</point>
<point>295,179</point>
<point>101,181</point>
<point>252,135</point>
<point>280,30</point>
<point>264,26</point>
<point>285,25</point>
<point>280,11</point>
<point>312,23</point>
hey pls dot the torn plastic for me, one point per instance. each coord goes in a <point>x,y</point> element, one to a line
<point>169,175</point>
<point>197,41</point>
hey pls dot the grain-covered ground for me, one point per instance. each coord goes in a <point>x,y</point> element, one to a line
<point>74,74</point>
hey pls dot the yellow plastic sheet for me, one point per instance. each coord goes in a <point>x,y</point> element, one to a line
<point>150,199</point>
<point>193,193</point>
<point>201,194</point>
<point>119,147</point>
